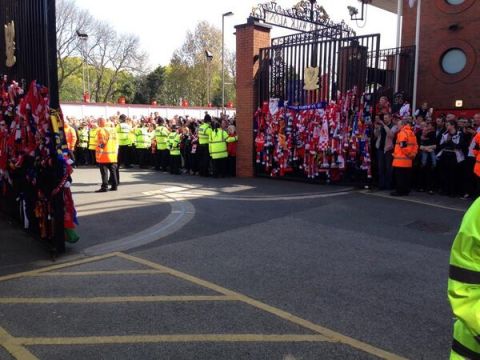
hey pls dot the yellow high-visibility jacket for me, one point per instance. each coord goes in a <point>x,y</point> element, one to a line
<point>464,287</point>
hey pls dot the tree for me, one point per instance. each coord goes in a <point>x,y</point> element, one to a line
<point>190,69</point>
<point>70,19</point>
<point>112,55</point>
<point>150,87</point>
<point>109,56</point>
<point>72,89</point>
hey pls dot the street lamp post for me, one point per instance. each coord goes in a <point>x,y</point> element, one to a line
<point>84,38</point>
<point>209,58</point>
<point>223,59</point>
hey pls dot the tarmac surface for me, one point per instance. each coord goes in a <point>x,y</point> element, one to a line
<point>189,268</point>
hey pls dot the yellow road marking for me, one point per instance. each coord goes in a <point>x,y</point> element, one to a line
<point>414,201</point>
<point>143,339</point>
<point>99,273</point>
<point>108,300</point>
<point>330,334</point>
<point>13,347</point>
<point>56,267</point>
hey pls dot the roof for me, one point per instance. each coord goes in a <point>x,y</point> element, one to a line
<point>388,5</point>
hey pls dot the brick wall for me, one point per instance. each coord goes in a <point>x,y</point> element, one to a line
<point>251,37</point>
<point>435,86</point>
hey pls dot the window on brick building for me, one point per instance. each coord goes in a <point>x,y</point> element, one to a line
<point>453,61</point>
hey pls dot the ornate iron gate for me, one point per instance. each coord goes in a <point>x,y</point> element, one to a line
<point>28,52</point>
<point>308,68</point>
<point>35,43</point>
<point>317,92</point>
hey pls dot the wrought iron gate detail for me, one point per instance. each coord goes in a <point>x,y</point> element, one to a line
<point>342,64</point>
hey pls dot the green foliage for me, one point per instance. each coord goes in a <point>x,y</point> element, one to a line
<point>72,87</point>
<point>150,87</point>
<point>188,76</point>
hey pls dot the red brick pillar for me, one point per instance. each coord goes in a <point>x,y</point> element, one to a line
<point>251,37</point>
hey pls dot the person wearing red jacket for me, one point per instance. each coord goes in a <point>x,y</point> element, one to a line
<point>232,141</point>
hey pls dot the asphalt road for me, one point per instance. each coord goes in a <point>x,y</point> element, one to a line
<point>238,269</point>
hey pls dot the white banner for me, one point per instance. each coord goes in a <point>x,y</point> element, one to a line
<point>82,110</point>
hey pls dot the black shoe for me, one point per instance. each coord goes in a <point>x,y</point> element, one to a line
<point>102,190</point>
<point>113,189</point>
<point>394,193</point>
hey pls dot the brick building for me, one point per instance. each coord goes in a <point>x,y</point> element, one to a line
<point>449,50</point>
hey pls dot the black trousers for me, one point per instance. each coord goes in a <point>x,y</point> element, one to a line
<point>83,156</point>
<point>93,156</point>
<point>175,164</point>
<point>232,166</point>
<point>187,165</point>
<point>477,187</point>
<point>384,161</point>
<point>204,159</point>
<point>105,171</point>
<point>426,180</point>
<point>125,155</point>
<point>450,174</point>
<point>403,180</point>
<point>117,170</point>
<point>219,167</point>
<point>193,159</point>
<point>144,158</point>
<point>162,160</point>
<point>469,181</point>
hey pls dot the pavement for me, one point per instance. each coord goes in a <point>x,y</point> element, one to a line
<point>188,268</point>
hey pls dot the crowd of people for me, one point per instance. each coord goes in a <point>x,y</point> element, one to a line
<point>181,145</point>
<point>434,154</point>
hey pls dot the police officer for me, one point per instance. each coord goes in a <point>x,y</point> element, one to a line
<point>143,145</point>
<point>218,150</point>
<point>82,149</point>
<point>124,148</point>
<point>92,142</point>
<point>162,155</point>
<point>204,132</point>
<point>174,140</point>
<point>464,287</point>
<point>406,148</point>
<point>107,155</point>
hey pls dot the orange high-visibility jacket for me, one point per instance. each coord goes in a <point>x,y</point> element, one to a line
<point>406,148</point>
<point>107,149</point>
<point>70,137</point>
<point>476,153</point>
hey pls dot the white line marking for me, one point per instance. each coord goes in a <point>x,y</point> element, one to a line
<point>413,201</point>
